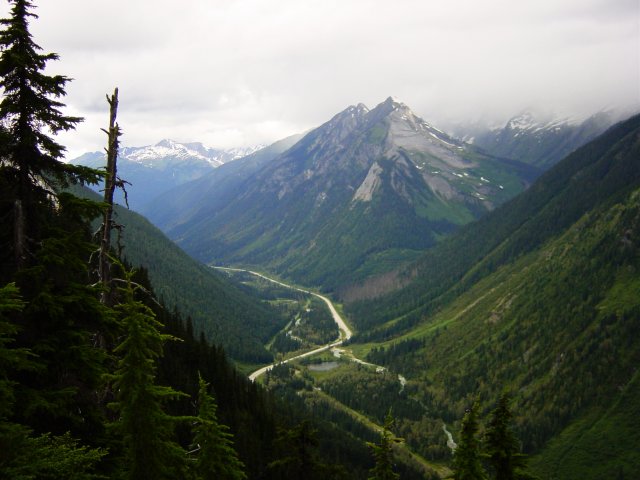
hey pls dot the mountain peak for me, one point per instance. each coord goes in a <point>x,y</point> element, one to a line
<point>388,107</point>
<point>536,122</point>
<point>522,121</point>
<point>345,187</point>
<point>359,110</point>
<point>341,124</point>
<point>392,104</point>
<point>167,143</point>
<point>391,100</point>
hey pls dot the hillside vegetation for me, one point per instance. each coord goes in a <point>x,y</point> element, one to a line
<point>541,297</point>
<point>228,317</point>
<point>604,170</point>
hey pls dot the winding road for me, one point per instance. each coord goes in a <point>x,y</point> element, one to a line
<point>345,331</point>
<point>345,334</point>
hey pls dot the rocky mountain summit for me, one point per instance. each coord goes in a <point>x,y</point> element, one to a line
<point>368,184</point>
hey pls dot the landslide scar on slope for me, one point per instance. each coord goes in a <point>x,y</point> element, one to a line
<point>370,184</point>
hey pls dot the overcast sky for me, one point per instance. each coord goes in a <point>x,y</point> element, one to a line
<point>241,72</point>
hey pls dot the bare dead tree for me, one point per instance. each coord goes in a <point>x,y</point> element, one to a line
<point>111,181</point>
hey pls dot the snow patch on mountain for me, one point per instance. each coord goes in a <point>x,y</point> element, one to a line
<point>175,152</point>
<point>538,138</point>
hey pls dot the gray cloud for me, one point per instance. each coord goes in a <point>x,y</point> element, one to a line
<point>234,72</point>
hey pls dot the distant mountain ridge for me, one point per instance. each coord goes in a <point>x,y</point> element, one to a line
<point>538,140</point>
<point>212,188</point>
<point>367,187</point>
<point>153,169</point>
<point>167,150</point>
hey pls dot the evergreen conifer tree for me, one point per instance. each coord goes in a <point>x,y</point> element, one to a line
<point>146,429</point>
<point>466,460</point>
<point>29,110</point>
<point>299,458</point>
<point>501,444</point>
<point>54,368</point>
<point>58,322</point>
<point>216,457</point>
<point>383,453</point>
<point>21,454</point>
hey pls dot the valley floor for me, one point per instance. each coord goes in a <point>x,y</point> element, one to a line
<point>404,453</point>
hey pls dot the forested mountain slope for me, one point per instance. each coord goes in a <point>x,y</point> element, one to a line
<point>227,316</point>
<point>542,298</point>
<point>602,171</point>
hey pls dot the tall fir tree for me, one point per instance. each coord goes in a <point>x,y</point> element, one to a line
<point>467,457</point>
<point>502,448</point>
<point>146,429</point>
<point>213,443</point>
<point>383,453</point>
<point>30,112</point>
<point>44,249</point>
<point>60,317</point>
